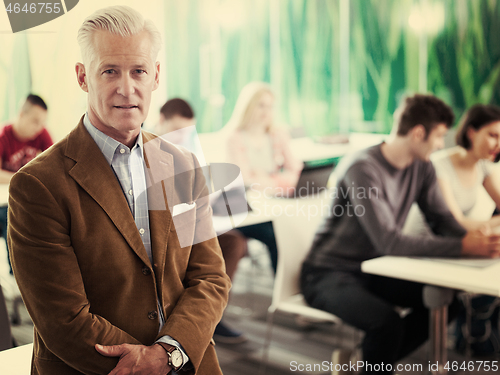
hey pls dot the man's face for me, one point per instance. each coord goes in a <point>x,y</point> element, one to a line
<point>435,141</point>
<point>119,82</point>
<point>31,123</point>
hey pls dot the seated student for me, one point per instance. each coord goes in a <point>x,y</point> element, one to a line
<point>460,171</point>
<point>257,145</point>
<point>178,125</point>
<point>385,180</point>
<point>262,152</point>
<point>20,142</point>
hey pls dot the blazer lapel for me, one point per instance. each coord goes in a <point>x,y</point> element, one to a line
<point>93,173</point>
<point>160,183</point>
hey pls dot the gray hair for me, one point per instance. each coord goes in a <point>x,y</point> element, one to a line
<point>120,20</point>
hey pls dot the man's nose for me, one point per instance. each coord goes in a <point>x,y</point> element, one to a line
<point>126,85</point>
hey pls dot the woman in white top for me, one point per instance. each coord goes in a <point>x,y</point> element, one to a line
<point>460,170</point>
<point>261,150</point>
<point>257,145</point>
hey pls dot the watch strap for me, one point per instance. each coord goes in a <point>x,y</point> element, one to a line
<point>169,349</point>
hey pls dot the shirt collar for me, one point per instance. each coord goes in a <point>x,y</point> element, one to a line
<point>106,144</point>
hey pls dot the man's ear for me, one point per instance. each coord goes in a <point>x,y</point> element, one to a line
<point>418,132</point>
<point>81,76</point>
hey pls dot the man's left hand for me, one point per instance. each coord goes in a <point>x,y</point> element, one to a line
<point>137,359</point>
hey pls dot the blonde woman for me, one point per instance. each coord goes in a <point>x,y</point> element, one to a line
<point>257,145</point>
<point>262,152</point>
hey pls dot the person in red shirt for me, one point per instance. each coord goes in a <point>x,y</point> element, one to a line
<point>20,142</point>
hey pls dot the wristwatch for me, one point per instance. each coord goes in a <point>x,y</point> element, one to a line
<point>174,356</point>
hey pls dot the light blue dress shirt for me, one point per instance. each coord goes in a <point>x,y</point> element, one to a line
<point>128,166</point>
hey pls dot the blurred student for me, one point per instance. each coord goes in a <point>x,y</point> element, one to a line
<point>262,152</point>
<point>257,145</point>
<point>178,125</point>
<point>385,180</point>
<point>461,171</point>
<point>20,142</point>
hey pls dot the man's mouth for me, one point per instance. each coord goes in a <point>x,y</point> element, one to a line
<point>127,106</point>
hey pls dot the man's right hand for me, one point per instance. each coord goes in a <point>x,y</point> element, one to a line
<point>481,242</point>
<point>137,359</point>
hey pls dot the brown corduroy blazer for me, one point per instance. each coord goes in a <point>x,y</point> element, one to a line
<point>83,270</point>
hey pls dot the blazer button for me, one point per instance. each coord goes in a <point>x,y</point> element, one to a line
<point>152,315</point>
<point>146,271</point>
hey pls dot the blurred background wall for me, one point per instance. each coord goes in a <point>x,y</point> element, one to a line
<point>335,65</point>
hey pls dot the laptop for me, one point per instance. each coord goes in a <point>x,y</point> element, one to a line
<point>313,179</point>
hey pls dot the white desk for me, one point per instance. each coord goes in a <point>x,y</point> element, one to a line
<point>447,273</point>
<point>266,209</point>
<point>441,273</point>
<point>16,361</point>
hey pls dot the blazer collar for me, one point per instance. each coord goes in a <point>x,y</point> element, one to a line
<point>93,173</point>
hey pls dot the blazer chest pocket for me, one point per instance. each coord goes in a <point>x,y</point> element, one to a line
<point>184,217</point>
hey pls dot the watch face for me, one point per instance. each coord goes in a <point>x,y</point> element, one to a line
<point>176,358</point>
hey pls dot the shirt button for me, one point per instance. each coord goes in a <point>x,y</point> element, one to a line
<point>122,151</point>
<point>152,315</point>
<point>130,192</point>
<point>146,271</point>
<point>141,231</point>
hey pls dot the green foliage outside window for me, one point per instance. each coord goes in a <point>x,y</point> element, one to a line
<point>212,48</point>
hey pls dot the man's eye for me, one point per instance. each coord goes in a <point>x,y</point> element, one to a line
<point>140,71</point>
<point>109,71</point>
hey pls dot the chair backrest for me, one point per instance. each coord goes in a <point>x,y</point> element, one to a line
<point>5,333</point>
<point>294,237</point>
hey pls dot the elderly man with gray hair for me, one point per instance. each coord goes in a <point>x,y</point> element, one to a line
<point>110,231</point>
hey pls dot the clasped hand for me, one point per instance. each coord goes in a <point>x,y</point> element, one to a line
<point>137,359</point>
<point>481,242</point>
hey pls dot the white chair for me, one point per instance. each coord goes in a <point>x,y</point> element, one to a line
<point>294,236</point>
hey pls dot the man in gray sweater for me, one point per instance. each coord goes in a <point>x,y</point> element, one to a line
<point>375,190</point>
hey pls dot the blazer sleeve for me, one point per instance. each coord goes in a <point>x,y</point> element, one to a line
<point>206,285</point>
<point>50,280</point>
